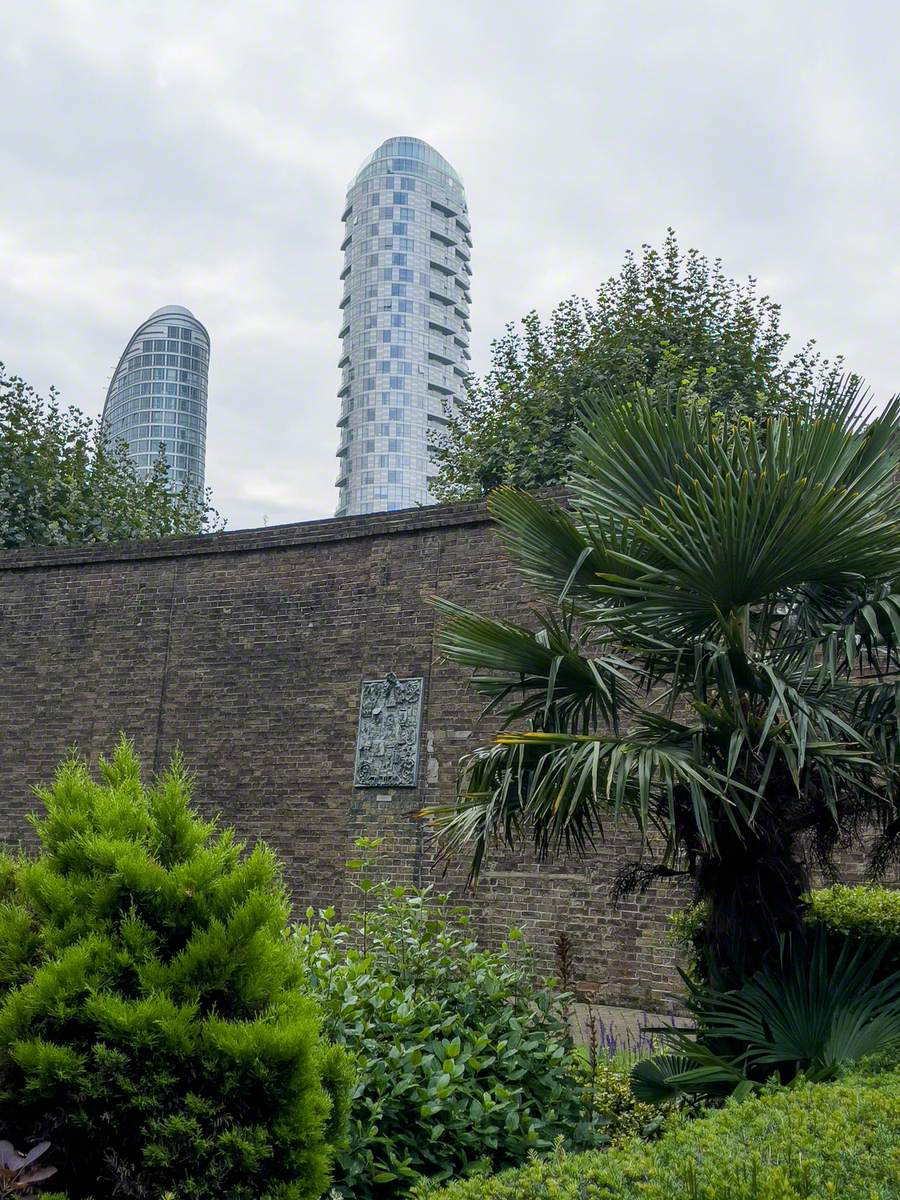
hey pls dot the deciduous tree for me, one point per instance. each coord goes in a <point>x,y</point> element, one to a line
<point>62,482</point>
<point>671,321</point>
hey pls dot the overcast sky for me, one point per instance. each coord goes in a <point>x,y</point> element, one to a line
<point>198,153</point>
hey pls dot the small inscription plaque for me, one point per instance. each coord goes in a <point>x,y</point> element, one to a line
<point>387,744</point>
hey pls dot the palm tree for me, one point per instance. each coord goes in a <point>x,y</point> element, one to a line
<point>719,658</point>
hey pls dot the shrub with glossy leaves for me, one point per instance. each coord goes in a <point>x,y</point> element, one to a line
<point>805,1143</point>
<point>463,1062</point>
<point>152,1020</point>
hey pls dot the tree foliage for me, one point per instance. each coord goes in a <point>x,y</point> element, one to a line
<point>719,659</point>
<point>671,321</point>
<point>63,483</point>
<point>153,1026</point>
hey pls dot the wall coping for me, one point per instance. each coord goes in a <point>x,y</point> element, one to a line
<point>242,541</point>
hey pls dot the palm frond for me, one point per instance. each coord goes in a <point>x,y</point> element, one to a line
<point>564,786</point>
<point>547,547</point>
<point>549,674</point>
<point>813,1011</point>
<point>666,1077</point>
<point>719,520</point>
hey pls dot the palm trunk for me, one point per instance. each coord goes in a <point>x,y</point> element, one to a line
<point>755,892</point>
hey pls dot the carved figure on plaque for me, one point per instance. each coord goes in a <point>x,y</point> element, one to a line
<point>387,743</point>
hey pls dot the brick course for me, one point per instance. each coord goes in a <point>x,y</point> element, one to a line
<point>247,650</point>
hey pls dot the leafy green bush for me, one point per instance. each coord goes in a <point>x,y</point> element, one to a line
<point>686,934</point>
<point>865,913</point>
<point>804,1143</point>
<point>152,1020</point>
<point>617,1111</point>
<point>463,1062</point>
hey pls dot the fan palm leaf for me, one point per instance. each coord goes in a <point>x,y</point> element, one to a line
<point>811,1011</point>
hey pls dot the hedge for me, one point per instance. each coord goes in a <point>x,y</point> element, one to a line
<point>865,911</point>
<point>814,1140</point>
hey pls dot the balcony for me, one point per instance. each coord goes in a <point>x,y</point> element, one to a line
<point>445,226</point>
<point>440,352</point>
<point>437,327</point>
<point>444,210</point>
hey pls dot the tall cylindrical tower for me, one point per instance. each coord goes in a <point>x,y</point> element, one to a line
<point>404,322</point>
<point>158,392</point>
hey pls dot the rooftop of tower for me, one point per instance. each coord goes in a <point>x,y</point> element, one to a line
<point>177,309</point>
<point>409,148</point>
<point>174,310</point>
<point>170,310</point>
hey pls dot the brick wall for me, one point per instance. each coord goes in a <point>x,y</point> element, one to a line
<point>247,650</point>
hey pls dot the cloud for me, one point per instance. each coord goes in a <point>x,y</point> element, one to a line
<point>198,153</point>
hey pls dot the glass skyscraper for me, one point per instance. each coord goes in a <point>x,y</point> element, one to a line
<point>404,322</point>
<point>158,395</point>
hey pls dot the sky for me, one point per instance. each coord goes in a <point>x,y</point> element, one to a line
<point>198,153</point>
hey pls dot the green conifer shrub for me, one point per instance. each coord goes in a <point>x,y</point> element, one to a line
<point>151,1022</point>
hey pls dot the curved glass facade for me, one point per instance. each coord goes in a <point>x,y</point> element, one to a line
<point>404,323</point>
<point>158,395</point>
